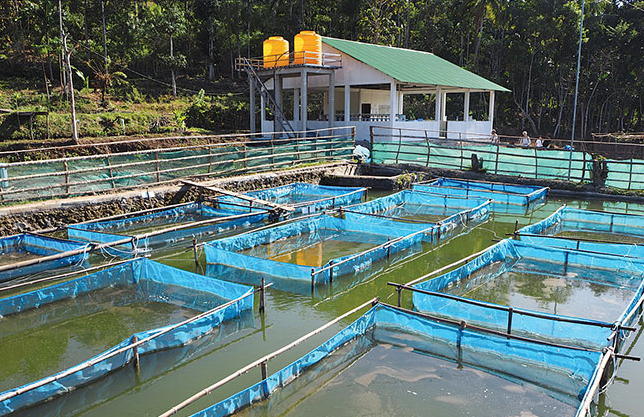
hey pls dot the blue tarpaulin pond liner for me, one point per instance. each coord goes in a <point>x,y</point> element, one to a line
<point>388,351</point>
<point>564,295</point>
<point>305,198</point>
<point>573,222</point>
<point>213,301</point>
<point>441,210</point>
<point>196,217</point>
<point>26,246</point>
<point>313,250</point>
<point>499,192</point>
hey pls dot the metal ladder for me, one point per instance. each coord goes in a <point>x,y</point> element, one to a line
<point>268,97</point>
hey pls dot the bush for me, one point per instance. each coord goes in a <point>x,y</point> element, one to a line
<point>218,113</point>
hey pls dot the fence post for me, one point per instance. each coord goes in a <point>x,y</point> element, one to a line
<point>399,289</point>
<point>461,143</point>
<point>630,174</point>
<point>428,151</point>
<point>496,162</point>
<point>399,144</point>
<point>66,176</point>
<point>194,252</point>
<point>332,138</point>
<point>209,158</point>
<point>135,350</point>
<point>315,141</point>
<point>536,167</point>
<point>273,151</point>
<point>156,164</point>
<point>109,167</point>
<point>583,167</point>
<point>510,310</point>
<point>264,367</point>
<point>262,296</point>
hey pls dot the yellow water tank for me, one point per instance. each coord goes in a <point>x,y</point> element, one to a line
<point>308,48</point>
<point>275,52</point>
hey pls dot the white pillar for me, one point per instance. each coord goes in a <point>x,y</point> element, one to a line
<point>296,108</point>
<point>437,110</point>
<point>347,104</point>
<point>393,105</point>
<point>466,107</point>
<point>331,98</point>
<point>400,102</point>
<point>491,110</point>
<point>443,105</point>
<point>304,105</point>
<point>253,122</point>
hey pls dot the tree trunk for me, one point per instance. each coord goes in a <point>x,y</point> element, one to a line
<point>104,36</point>
<point>211,47</point>
<point>174,82</point>
<point>86,31</point>
<point>70,85</point>
<point>63,74</point>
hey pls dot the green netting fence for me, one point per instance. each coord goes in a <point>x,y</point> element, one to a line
<point>81,175</point>
<point>402,146</point>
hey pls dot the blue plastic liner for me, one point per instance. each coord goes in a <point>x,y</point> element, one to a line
<point>43,246</point>
<point>505,254</point>
<point>305,198</point>
<point>500,193</point>
<point>151,279</point>
<point>408,203</point>
<point>509,358</point>
<point>115,230</point>
<point>311,231</point>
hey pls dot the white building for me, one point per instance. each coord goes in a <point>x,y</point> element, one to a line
<point>372,85</point>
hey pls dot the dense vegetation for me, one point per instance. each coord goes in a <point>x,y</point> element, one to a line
<point>528,46</point>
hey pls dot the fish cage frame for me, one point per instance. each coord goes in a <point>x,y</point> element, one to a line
<point>605,333</point>
<point>129,350</point>
<point>54,253</point>
<point>477,211</point>
<point>484,189</point>
<point>225,251</point>
<point>598,359</point>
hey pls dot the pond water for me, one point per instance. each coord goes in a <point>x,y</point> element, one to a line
<point>290,315</point>
<point>41,341</point>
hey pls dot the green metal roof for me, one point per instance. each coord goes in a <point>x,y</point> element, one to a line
<point>409,66</point>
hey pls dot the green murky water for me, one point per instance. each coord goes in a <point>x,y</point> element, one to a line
<point>18,256</point>
<point>542,286</point>
<point>171,376</point>
<point>41,341</point>
<point>370,377</point>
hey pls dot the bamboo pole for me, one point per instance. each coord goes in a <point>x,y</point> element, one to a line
<point>240,196</point>
<point>132,346</point>
<point>91,247</point>
<point>62,276</point>
<point>264,359</point>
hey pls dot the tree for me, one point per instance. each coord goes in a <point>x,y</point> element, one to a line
<point>172,22</point>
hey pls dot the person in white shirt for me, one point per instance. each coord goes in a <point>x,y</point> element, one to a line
<point>525,139</point>
<point>494,138</point>
<point>539,143</point>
